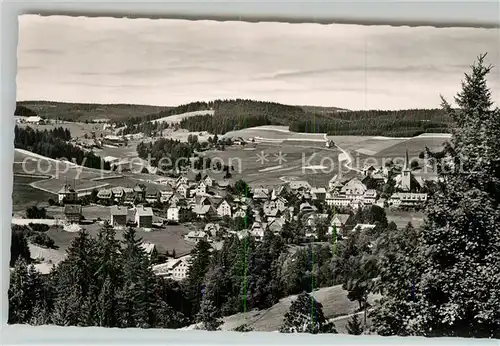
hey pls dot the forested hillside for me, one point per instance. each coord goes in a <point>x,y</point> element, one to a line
<point>239,114</point>
<point>54,144</point>
<point>85,111</point>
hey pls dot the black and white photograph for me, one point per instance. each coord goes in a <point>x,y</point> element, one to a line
<point>256,177</point>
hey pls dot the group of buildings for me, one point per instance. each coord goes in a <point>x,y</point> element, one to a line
<point>209,200</point>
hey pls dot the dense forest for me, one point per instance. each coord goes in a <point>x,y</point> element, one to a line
<point>143,123</point>
<point>238,114</point>
<point>166,153</point>
<point>24,111</point>
<point>400,123</point>
<point>53,144</point>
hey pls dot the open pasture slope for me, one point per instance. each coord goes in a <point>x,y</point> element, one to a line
<point>335,303</point>
<point>266,162</point>
<point>177,118</point>
<point>77,129</point>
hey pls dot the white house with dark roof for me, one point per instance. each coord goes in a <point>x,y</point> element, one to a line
<point>354,189</point>
<point>105,195</point>
<point>224,209</point>
<point>143,216</point>
<point>182,189</point>
<point>201,188</point>
<point>337,200</point>
<point>173,212</point>
<point>208,181</point>
<point>118,193</point>
<point>175,268</point>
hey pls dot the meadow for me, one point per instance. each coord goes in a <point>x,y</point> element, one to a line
<point>177,118</point>
<point>77,129</point>
<point>167,238</point>
<point>263,164</point>
<point>24,195</point>
<point>335,306</point>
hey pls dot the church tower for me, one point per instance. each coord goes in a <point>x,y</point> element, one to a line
<point>406,174</point>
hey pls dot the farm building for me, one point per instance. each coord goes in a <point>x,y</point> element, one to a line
<point>73,212</point>
<point>67,194</point>
<point>118,193</point>
<point>118,216</point>
<point>105,195</point>
<point>143,216</point>
<point>34,120</point>
<point>114,140</point>
<point>174,268</point>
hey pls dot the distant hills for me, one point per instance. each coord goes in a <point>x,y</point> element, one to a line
<point>85,111</point>
<point>236,114</point>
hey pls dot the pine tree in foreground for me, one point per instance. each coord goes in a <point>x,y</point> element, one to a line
<point>451,284</point>
<point>209,316</point>
<point>354,326</point>
<point>306,316</point>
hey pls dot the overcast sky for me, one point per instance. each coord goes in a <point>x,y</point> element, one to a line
<point>171,62</point>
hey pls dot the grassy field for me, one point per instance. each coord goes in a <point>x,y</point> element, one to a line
<point>167,238</point>
<point>89,212</point>
<point>267,172</point>
<point>24,196</point>
<point>275,134</point>
<point>82,112</point>
<point>77,129</point>
<point>401,218</point>
<point>334,300</point>
<point>414,145</point>
<point>177,118</point>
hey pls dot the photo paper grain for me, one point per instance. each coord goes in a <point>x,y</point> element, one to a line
<point>273,177</point>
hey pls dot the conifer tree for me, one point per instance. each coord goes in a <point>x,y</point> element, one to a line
<point>19,247</point>
<point>25,292</point>
<point>208,315</point>
<point>137,302</point>
<point>306,316</point>
<point>354,326</point>
<point>196,275</point>
<point>455,289</point>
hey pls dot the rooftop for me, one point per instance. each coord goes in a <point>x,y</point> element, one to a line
<point>117,210</point>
